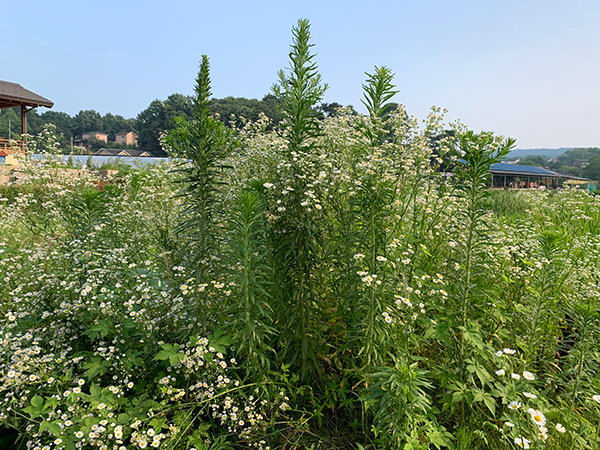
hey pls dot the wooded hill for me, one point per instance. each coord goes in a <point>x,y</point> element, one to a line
<point>157,118</point>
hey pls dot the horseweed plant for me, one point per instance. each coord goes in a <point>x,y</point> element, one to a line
<point>339,282</point>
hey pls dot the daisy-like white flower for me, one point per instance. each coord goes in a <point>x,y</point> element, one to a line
<point>537,417</point>
<point>522,442</point>
<point>596,398</point>
<point>560,428</point>
<point>499,353</point>
<point>500,372</point>
<point>529,395</point>
<point>528,376</point>
<point>509,424</point>
<point>543,436</point>
<point>515,376</point>
<point>514,405</point>
<point>509,351</point>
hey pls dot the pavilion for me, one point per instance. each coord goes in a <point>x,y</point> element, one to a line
<point>14,95</point>
<point>504,175</point>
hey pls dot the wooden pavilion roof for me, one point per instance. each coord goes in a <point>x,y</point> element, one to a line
<point>13,94</point>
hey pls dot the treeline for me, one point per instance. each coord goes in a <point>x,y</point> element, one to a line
<point>66,126</point>
<point>588,166</point>
<point>157,118</point>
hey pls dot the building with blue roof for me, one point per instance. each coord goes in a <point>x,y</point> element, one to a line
<point>504,175</point>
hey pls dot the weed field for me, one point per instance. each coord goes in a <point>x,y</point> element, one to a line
<point>347,282</point>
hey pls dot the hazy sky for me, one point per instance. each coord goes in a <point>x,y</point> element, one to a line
<point>525,69</point>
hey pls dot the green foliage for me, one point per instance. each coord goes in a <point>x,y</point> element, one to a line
<point>592,168</point>
<point>160,117</point>
<point>251,314</point>
<point>378,90</point>
<point>534,160</point>
<point>575,154</point>
<point>340,281</point>
<point>201,144</point>
<point>238,111</point>
<point>297,236</point>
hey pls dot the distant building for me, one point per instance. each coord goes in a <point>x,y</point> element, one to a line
<point>517,176</point>
<point>126,137</point>
<point>6,158</point>
<point>94,134</point>
<point>116,152</point>
<point>580,163</point>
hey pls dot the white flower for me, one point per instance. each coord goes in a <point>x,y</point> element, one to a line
<point>509,424</point>
<point>537,417</point>
<point>359,256</point>
<point>529,395</point>
<point>499,353</point>
<point>509,351</point>
<point>500,372</point>
<point>514,405</point>
<point>528,376</point>
<point>596,398</point>
<point>515,376</point>
<point>560,428</point>
<point>522,442</point>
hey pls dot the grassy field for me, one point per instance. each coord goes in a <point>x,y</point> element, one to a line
<point>321,285</point>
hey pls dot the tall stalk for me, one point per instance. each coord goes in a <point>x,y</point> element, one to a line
<point>478,152</point>
<point>370,209</point>
<point>201,144</point>
<point>297,232</point>
<point>250,313</point>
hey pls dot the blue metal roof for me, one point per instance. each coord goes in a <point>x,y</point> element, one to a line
<point>503,167</point>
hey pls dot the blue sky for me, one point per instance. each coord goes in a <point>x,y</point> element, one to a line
<point>525,69</point>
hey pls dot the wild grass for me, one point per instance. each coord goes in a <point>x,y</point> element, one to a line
<point>321,285</point>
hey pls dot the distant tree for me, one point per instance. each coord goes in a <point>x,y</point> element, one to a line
<point>555,164</point>
<point>239,107</point>
<point>65,124</point>
<point>592,168</point>
<point>389,108</point>
<point>114,124</point>
<point>246,109</point>
<point>159,117</point>
<point>569,157</point>
<point>533,160</point>
<point>329,109</point>
<point>272,108</point>
<point>570,169</point>
<point>10,122</point>
<point>88,120</point>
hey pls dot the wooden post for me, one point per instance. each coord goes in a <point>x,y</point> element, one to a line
<point>23,124</point>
